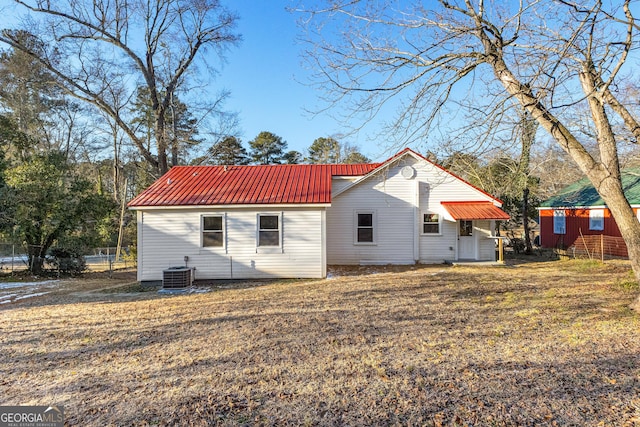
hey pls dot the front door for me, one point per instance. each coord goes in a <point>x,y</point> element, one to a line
<point>466,240</point>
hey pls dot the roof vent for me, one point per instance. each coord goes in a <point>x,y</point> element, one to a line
<point>408,172</point>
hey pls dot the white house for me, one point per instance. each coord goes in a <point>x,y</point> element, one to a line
<point>246,222</point>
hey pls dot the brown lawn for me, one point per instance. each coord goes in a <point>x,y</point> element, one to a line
<point>548,343</point>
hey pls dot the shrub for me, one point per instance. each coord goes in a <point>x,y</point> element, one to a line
<point>67,261</point>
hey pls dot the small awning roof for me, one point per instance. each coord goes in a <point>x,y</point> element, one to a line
<point>474,210</point>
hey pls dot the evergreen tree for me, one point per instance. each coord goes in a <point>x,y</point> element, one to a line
<point>324,151</point>
<point>355,157</point>
<point>329,150</point>
<point>35,106</point>
<point>26,88</point>
<point>229,151</point>
<point>293,157</point>
<point>267,148</point>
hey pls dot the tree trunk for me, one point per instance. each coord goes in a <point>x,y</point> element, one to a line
<point>529,127</point>
<point>525,221</point>
<point>627,224</point>
<point>161,142</point>
<point>116,165</point>
<point>604,175</point>
<point>174,134</point>
<point>36,259</point>
<point>174,152</point>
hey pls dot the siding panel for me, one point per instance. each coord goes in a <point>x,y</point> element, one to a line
<point>486,245</point>
<point>391,197</point>
<point>397,201</point>
<point>169,236</point>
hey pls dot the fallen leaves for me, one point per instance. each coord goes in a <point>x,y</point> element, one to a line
<point>404,346</point>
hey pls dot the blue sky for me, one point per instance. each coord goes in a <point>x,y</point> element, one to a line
<point>269,85</point>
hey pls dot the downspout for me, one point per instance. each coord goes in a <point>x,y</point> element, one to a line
<point>140,244</point>
<point>416,222</point>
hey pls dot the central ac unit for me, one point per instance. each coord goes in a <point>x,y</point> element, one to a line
<point>177,277</point>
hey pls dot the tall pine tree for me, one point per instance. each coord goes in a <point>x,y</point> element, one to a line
<point>267,148</point>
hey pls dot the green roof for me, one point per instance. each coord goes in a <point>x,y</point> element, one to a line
<point>583,193</point>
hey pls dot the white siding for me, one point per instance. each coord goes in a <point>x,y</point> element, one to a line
<point>167,236</point>
<point>486,245</point>
<point>439,248</point>
<point>438,186</point>
<point>311,237</point>
<point>399,204</point>
<point>392,198</point>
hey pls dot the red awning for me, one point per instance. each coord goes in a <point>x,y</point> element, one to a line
<point>474,210</point>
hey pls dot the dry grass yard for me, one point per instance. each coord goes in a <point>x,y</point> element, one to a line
<point>546,343</point>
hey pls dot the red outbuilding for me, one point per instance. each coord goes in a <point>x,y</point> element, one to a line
<point>578,217</point>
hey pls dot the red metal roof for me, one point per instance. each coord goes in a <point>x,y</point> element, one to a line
<point>474,210</point>
<point>271,184</point>
<point>227,185</point>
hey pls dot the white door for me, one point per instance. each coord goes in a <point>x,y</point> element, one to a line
<point>466,240</point>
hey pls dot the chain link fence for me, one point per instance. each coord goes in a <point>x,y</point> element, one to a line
<point>14,257</point>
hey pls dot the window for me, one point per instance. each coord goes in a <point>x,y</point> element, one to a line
<point>364,227</point>
<point>430,223</point>
<point>559,222</point>
<point>213,231</point>
<point>596,219</point>
<point>466,227</point>
<point>268,230</point>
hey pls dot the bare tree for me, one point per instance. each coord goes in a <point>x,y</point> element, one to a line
<point>93,45</point>
<point>552,57</point>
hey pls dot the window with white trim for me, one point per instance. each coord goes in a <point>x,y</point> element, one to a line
<point>213,231</point>
<point>269,227</point>
<point>559,222</point>
<point>596,219</point>
<point>365,227</point>
<point>430,223</point>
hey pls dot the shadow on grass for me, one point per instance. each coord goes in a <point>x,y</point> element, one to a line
<point>454,348</point>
